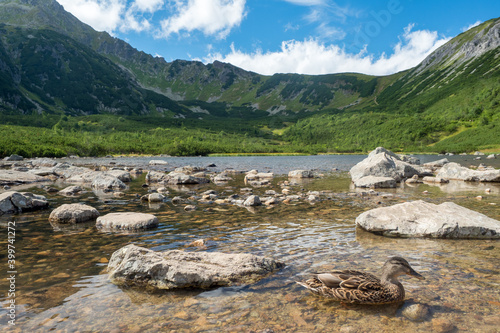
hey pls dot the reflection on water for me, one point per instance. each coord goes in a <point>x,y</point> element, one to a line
<point>62,285</point>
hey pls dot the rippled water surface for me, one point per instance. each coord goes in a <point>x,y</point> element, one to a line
<point>62,285</point>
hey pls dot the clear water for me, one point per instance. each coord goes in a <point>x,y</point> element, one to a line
<point>62,285</point>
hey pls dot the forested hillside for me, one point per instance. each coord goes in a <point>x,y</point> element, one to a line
<point>85,92</point>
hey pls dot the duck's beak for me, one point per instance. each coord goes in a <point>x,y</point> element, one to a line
<point>415,274</point>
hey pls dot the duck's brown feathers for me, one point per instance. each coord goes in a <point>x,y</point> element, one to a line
<point>354,287</point>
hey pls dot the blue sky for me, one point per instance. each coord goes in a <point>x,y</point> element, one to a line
<point>288,36</point>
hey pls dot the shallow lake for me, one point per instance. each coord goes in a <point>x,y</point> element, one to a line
<point>62,285</point>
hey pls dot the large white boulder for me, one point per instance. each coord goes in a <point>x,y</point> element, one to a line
<point>137,266</point>
<point>384,163</point>
<point>423,219</point>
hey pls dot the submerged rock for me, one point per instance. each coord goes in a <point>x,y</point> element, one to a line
<point>16,202</point>
<point>73,213</point>
<point>423,219</point>
<point>190,208</point>
<point>416,312</point>
<point>137,266</point>
<point>127,221</point>
<point>71,190</point>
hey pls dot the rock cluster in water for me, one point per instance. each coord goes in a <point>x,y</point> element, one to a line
<point>383,168</point>
<point>141,267</point>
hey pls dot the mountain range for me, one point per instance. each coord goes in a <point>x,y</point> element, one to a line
<point>52,65</point>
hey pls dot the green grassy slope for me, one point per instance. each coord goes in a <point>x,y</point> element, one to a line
<point>56,71</point>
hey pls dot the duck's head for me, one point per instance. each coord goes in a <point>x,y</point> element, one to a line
<point>397,266</point>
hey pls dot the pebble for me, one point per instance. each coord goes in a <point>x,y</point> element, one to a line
<point>182,315</point>
<point>62,275</point>
<point>442,325</point>
<point>416,312</point>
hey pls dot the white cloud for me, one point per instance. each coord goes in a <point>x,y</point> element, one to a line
<point>148,5</point>
<point>306,2</point>
<point>134,17</point>
<point>212,17</point>
<point>475,24</point>
<point>328,32</point>
<point>313,57</point>
<point>102,15</point>
<point>134,23</point>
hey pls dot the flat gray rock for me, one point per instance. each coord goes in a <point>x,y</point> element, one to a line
<point>375,182</point>
<point>127,221</point>
<point>137,266</point>
<point>423,219</point>
<point>300,174</point>
<point>8,177</point>
<point>43,162</point>
<point>73,213</point>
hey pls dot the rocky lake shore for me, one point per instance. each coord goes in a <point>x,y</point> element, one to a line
<point>279,216</point>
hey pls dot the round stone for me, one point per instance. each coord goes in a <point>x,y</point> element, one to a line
<point>73,213</point>
<point>127,221</point>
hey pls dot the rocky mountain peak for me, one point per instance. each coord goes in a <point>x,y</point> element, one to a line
<point>466,46</point>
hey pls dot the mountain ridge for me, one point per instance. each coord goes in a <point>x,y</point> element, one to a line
<point>51,63</point>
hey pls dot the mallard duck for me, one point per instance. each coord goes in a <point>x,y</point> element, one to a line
<point>354,287</point>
